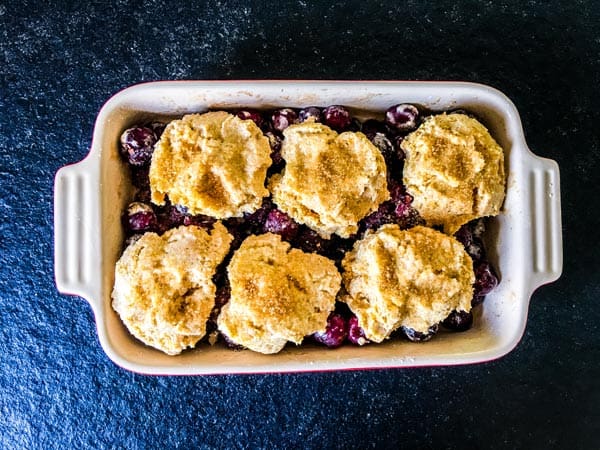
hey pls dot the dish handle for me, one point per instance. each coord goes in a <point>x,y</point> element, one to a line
<point>546,226</point>
<point>77,252</point>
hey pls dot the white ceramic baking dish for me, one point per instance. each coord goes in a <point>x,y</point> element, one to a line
<point>524,242</point>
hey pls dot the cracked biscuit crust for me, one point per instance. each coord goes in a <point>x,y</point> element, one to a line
<point>330,181</point>
<point>278,294</point>
<point>213,164</point>
<point>163,288</point>
<point>454,169</point>
<point>413,278</point>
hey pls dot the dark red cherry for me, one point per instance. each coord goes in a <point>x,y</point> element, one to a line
<point>356,334</point>
<point>403,117</point>
<point>312,113</point>
<point>417,336</point>
<point>283,118</point>
<point>459,320</point>
<point>280,223</point>
<point>337,117</point>
<point>137,145</point>
<point>140,217</point>
<point>336,332</point>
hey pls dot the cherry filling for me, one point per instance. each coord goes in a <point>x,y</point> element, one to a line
<point>136,148</point>
<point>137,145</point>
<point>283,118</point>
<point>337,117</point>
<point>140,217</point>
<point>336,332</point>
<point>403,117</point>
<point>459,320</point>
<point>311,113</point>
<point>280,223</point>
<point>356,334</point>
<point>418,336</point>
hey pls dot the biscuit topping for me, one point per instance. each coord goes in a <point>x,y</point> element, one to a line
<point>163,289</point>
<point>454,170</point>
<point>214,164</point>
<point>412,278</point>
<point>331,180</point>
<point>278,294</point>
<point>211,251</point>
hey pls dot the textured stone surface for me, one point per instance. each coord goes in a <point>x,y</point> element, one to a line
<point>59,62</point>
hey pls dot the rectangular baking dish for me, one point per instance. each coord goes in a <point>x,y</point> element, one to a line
<point>524,242</point>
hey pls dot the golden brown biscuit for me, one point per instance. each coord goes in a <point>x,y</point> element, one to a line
<point>330,181</point>
<point>213,163</point>
<point>278,294</point>
<point>413,278</point>
<point>455,171</point>
<point>163,288</point>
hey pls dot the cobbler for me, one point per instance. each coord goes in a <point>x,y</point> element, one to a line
<point>378,203</point>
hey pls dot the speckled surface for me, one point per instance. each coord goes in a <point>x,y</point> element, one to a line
<point>59,62</point>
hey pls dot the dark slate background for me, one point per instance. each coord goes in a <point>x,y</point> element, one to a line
<point>60,61</point>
